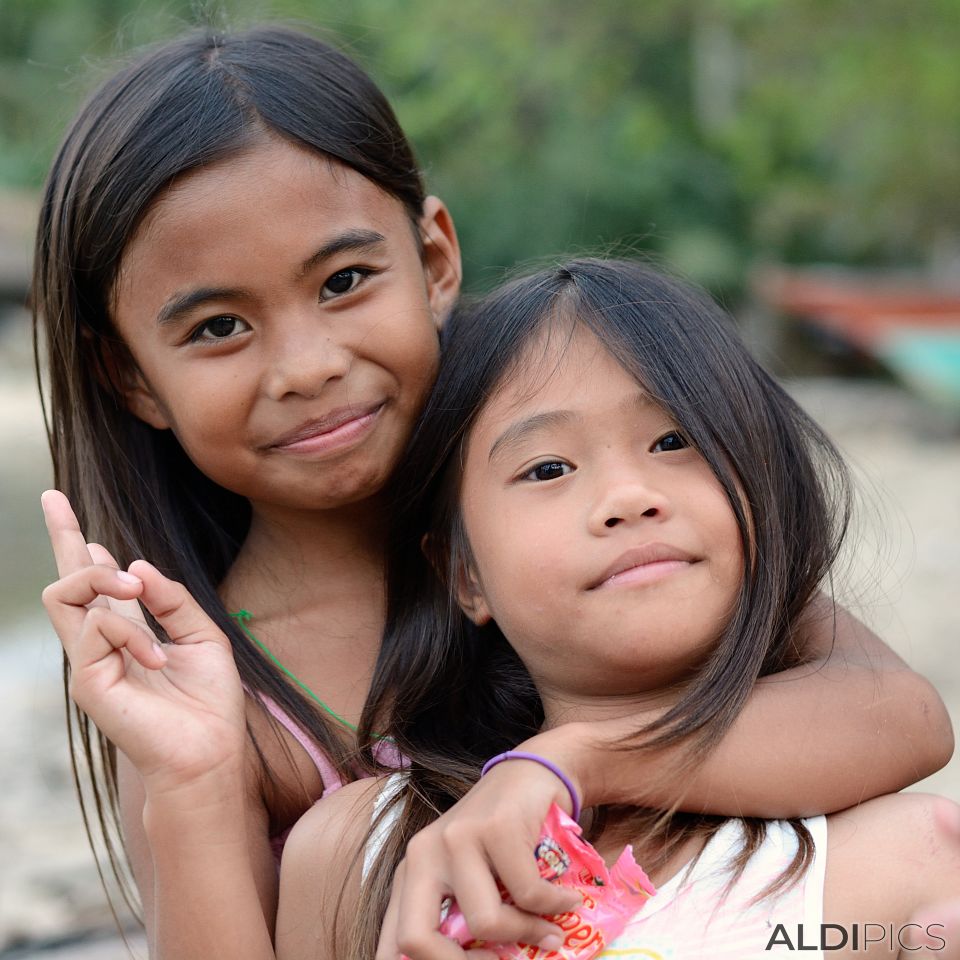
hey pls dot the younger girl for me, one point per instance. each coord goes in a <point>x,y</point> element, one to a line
<point>622,507</point>
<point>239,282</point>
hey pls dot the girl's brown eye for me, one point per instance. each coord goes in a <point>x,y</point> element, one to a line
<point>343,281</point>
<point>550,470</point>
<point>221,327</point>
<point>670,441</point>
<point>218,328</point>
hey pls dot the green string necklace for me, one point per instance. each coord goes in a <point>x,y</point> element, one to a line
<point>242,616</point>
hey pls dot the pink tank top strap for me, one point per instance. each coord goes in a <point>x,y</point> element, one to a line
<point>328,773</point>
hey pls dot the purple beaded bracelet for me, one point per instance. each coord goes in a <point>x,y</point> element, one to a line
<point>544,762</point>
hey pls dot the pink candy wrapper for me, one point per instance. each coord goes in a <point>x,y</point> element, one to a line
<point>609,898</point>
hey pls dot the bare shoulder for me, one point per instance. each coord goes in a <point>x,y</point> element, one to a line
<point>320,872</point>
<point>335,825</point>
<point>887,857</point>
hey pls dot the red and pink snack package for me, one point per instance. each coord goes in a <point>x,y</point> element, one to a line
<point>609,898</point>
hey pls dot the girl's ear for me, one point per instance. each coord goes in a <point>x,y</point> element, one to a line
<point>471,598</point>
<point>469,592</point>
<point>120,373</point>
<point>142,403</point>
<point>441,258</point>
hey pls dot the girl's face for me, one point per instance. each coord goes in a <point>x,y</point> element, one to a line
<point>283,323</point>
<point>604,547</point>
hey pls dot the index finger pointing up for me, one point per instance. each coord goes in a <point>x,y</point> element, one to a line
<point>66,538</point>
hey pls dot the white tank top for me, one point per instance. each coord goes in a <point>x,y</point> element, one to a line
<point>693,916</point>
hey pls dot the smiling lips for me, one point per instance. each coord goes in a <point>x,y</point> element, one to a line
<point>333,430</point>
<point>644,565</point>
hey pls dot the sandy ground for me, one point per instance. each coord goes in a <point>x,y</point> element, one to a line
<point>903,580</point>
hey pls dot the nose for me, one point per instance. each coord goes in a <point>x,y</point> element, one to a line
<point>627,498</point>
<point>303,359</point>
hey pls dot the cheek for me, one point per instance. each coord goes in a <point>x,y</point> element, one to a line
<point>417,356</point>
<point>729,569</point>
<point>205,418</point>
<point>707,508</point>
<point>524,570</point>
<point>212,428</point>
<point>407,355</point>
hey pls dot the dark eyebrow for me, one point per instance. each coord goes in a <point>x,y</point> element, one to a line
<point>178,306</point>
<point>523,428</point>
<point>350,240</point>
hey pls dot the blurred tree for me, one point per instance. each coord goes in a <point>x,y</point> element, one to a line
<point>847,139</point>
<point>709,132</point>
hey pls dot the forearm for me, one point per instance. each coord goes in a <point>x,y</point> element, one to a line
<point>815,739</point>
<point>206,902</point>
<point>858,734</point>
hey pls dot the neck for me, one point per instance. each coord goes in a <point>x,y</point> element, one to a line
<point>635,709</point>
<point>661,850</point>
<point>292,560</point>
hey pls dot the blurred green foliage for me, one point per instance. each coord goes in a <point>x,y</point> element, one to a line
<point>711,133</point>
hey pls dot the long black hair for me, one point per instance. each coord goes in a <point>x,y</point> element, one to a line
<point>195,100</point>
<point>456,693</point>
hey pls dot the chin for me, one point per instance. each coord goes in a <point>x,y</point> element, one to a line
<point>356,489</point>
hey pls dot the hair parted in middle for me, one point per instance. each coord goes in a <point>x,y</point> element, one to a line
<point>455,693</point>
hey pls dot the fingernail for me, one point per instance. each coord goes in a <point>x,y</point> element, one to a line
<point>127,577</point>
<point>158,650</point>
<point>551,942</point>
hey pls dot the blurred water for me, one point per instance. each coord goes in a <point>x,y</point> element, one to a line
<point>25,561</point>
<point>48,884</point>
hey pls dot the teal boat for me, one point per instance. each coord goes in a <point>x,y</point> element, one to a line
<point>911,328</point>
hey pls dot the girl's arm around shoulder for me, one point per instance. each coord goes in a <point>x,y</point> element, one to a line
<point>885,859</point>
<point>320,874</point>
<point>853,722</point>
<point>869,724</point>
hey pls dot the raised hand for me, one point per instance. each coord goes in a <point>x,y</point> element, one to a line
<point>176,710</point>
<point>489,835</point>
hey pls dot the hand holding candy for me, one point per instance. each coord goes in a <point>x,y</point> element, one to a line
<point>609,898</point>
